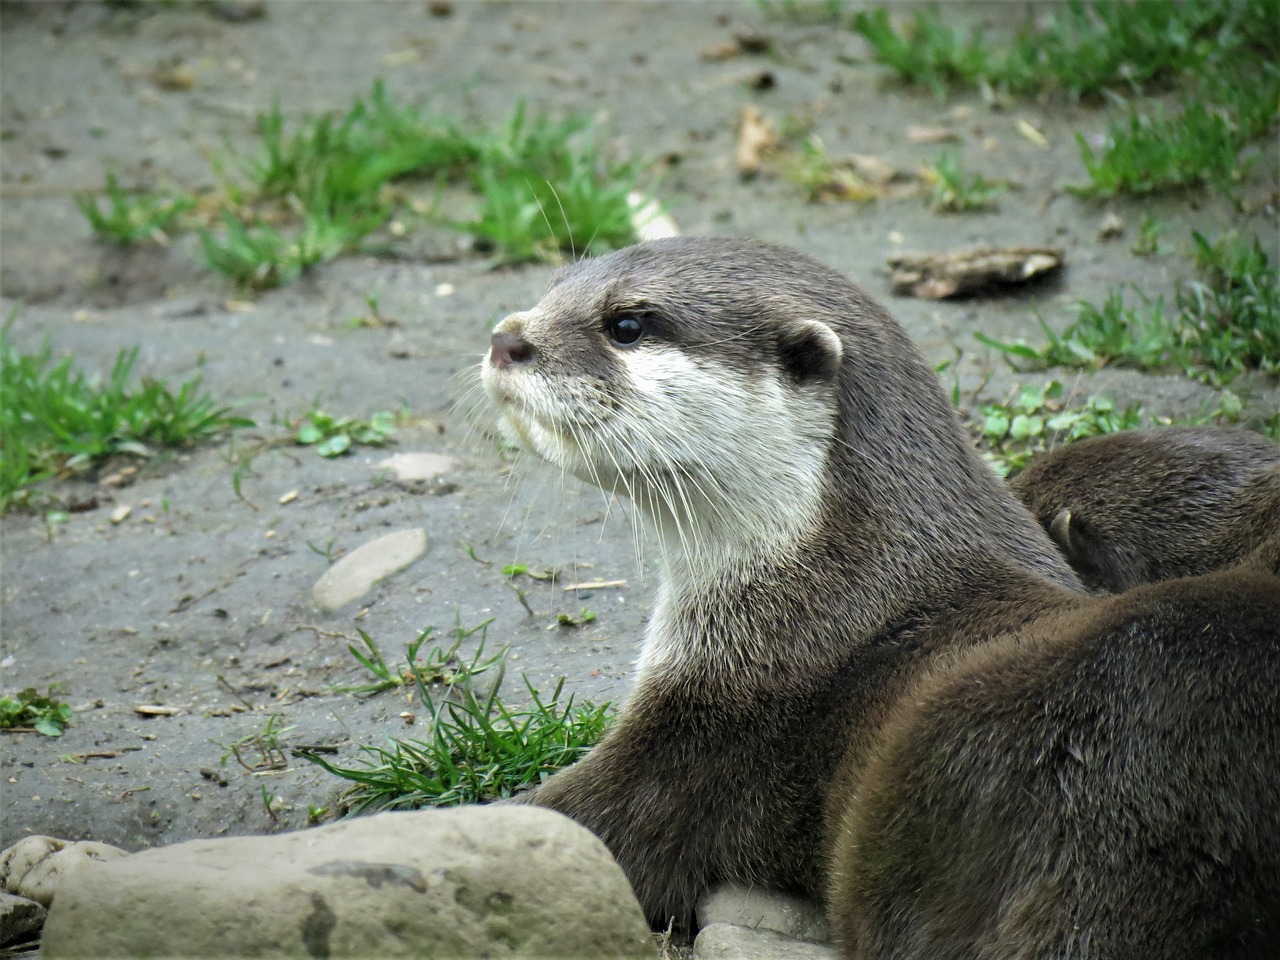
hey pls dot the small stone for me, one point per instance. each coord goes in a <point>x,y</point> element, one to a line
<point>356,573</point>
<point>121,513</point>
<point>20,918</point>
<point>36,867</point>
<point>1112,226</point>
<point>417,466</point>
<point>728,941</point>
<point>759,908</point>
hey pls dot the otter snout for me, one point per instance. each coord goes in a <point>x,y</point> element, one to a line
<point>506,349</point>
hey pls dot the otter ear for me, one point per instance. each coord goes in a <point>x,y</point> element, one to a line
<point>809,349</point>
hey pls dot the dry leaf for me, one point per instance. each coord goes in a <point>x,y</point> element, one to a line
<point>1032,134</point>
<point>917,134</point>
<point>756,137</point>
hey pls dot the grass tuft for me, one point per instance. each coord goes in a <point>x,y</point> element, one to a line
<point>477,747</point>
<point>55,419</point>
<point>1221,325</point>
<point>546,189</point>
<point>316,189</point>
<point>1198,146</point>
<point>132,217</point>
<point>954,190</point>
<point>1083,49</point>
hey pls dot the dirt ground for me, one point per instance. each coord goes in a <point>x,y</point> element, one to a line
<point>201,600</point>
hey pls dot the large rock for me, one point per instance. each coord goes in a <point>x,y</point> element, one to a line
<point>469,882</point>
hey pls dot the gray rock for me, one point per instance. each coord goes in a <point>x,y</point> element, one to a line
<point>354,575</point>
<point>468,882</point>
<point>762,909</point>
<point>728,941</point>
<point>20,918</point>
<point>36,867</point>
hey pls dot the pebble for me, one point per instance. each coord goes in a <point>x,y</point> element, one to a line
<point>418,466</point>
<point>356,573</point>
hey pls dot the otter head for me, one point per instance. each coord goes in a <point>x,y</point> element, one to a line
<point>682,374</point>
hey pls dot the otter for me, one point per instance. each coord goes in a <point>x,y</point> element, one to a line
<point>841,575</point>
<point>1145,505</point>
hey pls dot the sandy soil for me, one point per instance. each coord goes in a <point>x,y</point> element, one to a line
<point>201,600</point>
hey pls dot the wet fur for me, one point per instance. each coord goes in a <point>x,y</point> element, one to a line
<point>1148,505</point>
<point>801,633</point>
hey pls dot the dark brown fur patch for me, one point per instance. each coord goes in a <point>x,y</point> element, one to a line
<point>1147,505</point>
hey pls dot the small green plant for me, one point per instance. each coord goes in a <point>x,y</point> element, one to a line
<point>477,747</point>
<point>955,191</point>
<point>333,436</point>
<point>133,216</point>
<point>1035,418</point>
<point>441,666</point>
<point>55,419</point>
<point>29,708</point>
<point>263,747</point>
<point>1148,242</point>
<point>583,617</point>
<point>1221,325</point>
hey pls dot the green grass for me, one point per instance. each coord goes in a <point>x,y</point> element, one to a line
<point>262,749</point>
<point>1082,49</point>
<point>545,189</point>
<point>954,190</point>
<point>477,748</point>
<point>28,708</point>
<point>131,217</point>
<point>317,188</point>
<point>1199,145</point>
<point>1221,324</point>
<point>56,419</point>
<point>1220,56</point>
<point>1036,418</point>
<point>442,666</point>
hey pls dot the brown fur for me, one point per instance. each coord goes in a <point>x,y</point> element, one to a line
<point>1148,505</point>
<point>776,750</point>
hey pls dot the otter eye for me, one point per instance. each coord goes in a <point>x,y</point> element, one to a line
<point>624,329</point>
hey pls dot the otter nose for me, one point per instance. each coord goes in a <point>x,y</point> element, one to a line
<point>506,349</point>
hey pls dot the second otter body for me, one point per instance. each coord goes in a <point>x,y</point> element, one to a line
<point>833,551</point>
<point>1147,505</point>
